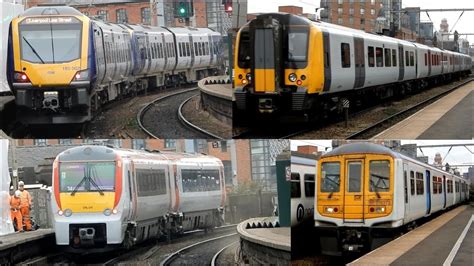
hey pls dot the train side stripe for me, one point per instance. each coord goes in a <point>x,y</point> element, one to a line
<point>118,181</point>
<point>56,182</point>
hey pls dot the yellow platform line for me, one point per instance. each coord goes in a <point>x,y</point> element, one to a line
<point>415,125</point>
<point>391,251</point>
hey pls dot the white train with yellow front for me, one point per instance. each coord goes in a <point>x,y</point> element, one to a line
<point>104,198</point>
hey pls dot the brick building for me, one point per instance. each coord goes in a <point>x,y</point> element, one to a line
<point>243,160</point>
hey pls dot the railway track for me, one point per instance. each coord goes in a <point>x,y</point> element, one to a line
<point>377,127</point>
<point>160,118</point>
<point>191,125</point>
<point>201,253</point>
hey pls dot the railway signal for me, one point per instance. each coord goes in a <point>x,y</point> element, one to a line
<point>183,9</point>
<point>227,6</point>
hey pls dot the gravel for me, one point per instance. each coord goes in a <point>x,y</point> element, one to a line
<point>162,118</point>
<point>203,119</point>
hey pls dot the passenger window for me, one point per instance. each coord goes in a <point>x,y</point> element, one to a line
<point>194,180</point>
<point>426,61</point>
<point>387,58</point>
<point>354,176</point>
<point>379,176</point>
<point>330,177</point>
<point>419,184</point>
<point>309,185</point>
<point>345,55</point>
<point>151,182</point>
<point>379,56</point>
<point>188,49</point>
<point>435,185</point>
<point>440,185</point>
<point>407,60</point>
<point>394,57</point>
<point>295,185</point>
<point>195,49</point>
<point>371,56</point>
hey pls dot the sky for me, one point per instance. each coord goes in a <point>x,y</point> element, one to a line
<point>464,25</point>
<point>457,155</point>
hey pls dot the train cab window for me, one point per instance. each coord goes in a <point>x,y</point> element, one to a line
<point>244,49</point>
<point>330,177</point>
<point>407,60</point>
<point>371,56</point>
<point>419,184</point>
<point>75,176</point>
<point>345,55</point>
<point>387,58</point>
<point>379,56</point>
<point>354,176</point>
<point>295,185</point>
<point>394,57</point>
<point>297,47</point>
<point>309,185</point>
<point>197,180</point>
<point>412,183</point>
<point>379,176</point>
<point>151,182</point>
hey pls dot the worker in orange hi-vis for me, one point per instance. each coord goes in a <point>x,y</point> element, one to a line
<point>25,205</point>
<point>15,213</point>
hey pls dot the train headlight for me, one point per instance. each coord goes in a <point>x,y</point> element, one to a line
<point>20,77</point>
<point>60,213</point>
<point>330,209</point>
<point>107,212</point>
<point>114,211</point>
<point>67,212</point>
<point>292,77</point>
<point>249,76</point>
<point>81,75</point>
<point>380,209</point>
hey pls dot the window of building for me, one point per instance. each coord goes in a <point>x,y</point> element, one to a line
<point>170,143</point>
<point>379,56</point>
<point>362,11</point>
<point>121,15</point>
<point>309,185</point>
<point>379,176</point>
<point>371,56</point>
<point>351,11</point>
<point>419,184</point>
<point>340,2</point>
<point>372,11</point>
<point>388,57</point>
<point>146,17</point>
<point>263,163</point>
<point>362,21</point>
<point>351,21</point>
<point>394,57</point>
<point>40,142</point>
<point>85,13</point>
<point>138,144</point>
<point>372,2</point>
<point>65,141</point>
<point>339,10</point>
<point>339,21</point>
<point>412,58</point>
<point>345,55</point>
<point>103,15</point>
<point>330,177</point>
<point>412,182</point>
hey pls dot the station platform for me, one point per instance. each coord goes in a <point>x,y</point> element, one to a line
<point>15,239</point>
<point>266,245</point>
<point>218,90</point>
<point>450,117</point>
<point>445,240</point>
<point>216,98</point>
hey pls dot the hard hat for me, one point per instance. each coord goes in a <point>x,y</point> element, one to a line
<point>17,193</point>
<point>21,183</point>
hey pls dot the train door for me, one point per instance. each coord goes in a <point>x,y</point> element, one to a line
<point>354,191</point>
<point>264,61</point>
<point>401,69</point>
<point>359,62</point>
<point>132,190</point>
<point>405,190</point>
<point>428,192</point>
<point>444,191</point>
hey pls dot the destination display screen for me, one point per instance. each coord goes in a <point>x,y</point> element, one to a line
<point>52,20</point>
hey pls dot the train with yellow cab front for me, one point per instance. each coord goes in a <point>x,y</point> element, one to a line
<point>287,64</point>
<point>367,193</point>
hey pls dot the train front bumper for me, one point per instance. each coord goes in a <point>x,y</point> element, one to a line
<point>285,101</point>
<point>89,230</point>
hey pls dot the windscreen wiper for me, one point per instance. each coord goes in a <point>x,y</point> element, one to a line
<point>375,188</point>
<point>84,179</point>
<point>33,49</point>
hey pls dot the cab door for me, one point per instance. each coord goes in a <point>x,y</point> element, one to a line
<point>354,191</point>
<point>264,71</point>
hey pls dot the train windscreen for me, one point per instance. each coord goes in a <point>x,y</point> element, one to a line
<point>244,49</point>
<point>297,47</point>
<point>85,177</point>
<point>50,40</point>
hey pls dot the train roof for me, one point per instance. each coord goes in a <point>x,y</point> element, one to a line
<point>187,30</point>
<point>52,10</point>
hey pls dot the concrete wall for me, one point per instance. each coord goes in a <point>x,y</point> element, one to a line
<point>243,207</point>
<point>8,10</point>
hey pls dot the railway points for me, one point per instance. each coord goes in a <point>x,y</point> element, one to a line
<point>450,117</point>
<point>268,244</point>
<point>417,247</point>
